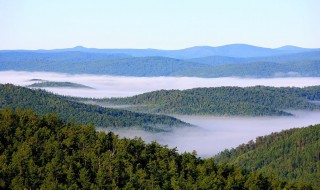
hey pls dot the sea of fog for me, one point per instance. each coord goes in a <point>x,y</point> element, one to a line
<point>213,134</point>
<point>117,86</point>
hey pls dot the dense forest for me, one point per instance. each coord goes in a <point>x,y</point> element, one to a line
<point>43,102</point>
<point>292,155</point>
<point>153,63</point>
<point>43,152</point>
<point>251,101</point>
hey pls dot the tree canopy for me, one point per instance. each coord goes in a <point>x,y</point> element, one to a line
<point>43,102</point>
<point>43,152</point>
<point>292,155</point>
<point>249,101</point>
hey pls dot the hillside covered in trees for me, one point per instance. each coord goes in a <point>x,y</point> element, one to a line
<point>45,153</point>
<point>292,155</point>
<point>249,101</point>
<point>43,102</point>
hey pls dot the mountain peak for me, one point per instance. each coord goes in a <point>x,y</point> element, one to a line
<point>79,48</point>
<point>289,47</point>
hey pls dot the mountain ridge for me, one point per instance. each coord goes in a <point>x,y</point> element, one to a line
<point>303,64</point>
<point>233,50</point>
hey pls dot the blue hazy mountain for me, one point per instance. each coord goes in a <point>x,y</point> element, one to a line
<point>57,56</point>
<point>233,50</point>
<point>293,48</point>
<point>255,70</point>
<point>90,63</point>
<point>293,57</point>
<point>230,60</point>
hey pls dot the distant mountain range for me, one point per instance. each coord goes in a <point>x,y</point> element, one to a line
<point>232,50</point>
<point>293,57</point>
<point>203,61</point>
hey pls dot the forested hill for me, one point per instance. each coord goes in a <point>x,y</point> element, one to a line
<point>54,84</point>
<point>92,64</point>
<point>46,153</point>
<point>251,101</point>
<point>43,102</point>
<point>289,155</point>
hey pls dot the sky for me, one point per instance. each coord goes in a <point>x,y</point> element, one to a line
<point>160,24</point>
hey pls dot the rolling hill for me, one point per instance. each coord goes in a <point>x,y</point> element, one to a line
<point>292,155</point>
<point>249,101</point>
<point>128,66</point>
<point>287,58</point>
<point>256,70</point>
<point>47,153</point>
<point>43,103</point>
<point>54,84</point>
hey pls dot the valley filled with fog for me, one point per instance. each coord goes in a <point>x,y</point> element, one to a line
<point>119,86</point>
<point>212,135</point>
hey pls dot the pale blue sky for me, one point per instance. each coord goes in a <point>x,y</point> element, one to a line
<point>163,24</point>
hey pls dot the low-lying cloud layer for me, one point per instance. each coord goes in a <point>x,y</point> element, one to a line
<point>215,134</point>
<point>117,86</point>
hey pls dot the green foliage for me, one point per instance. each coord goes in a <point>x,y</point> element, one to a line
<point>43,103</point>
<point>253,101</point>
<point>46,153</point>
<point>292,155</point>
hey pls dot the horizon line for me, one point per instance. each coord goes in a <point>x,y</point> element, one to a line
<point>149,48</point>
